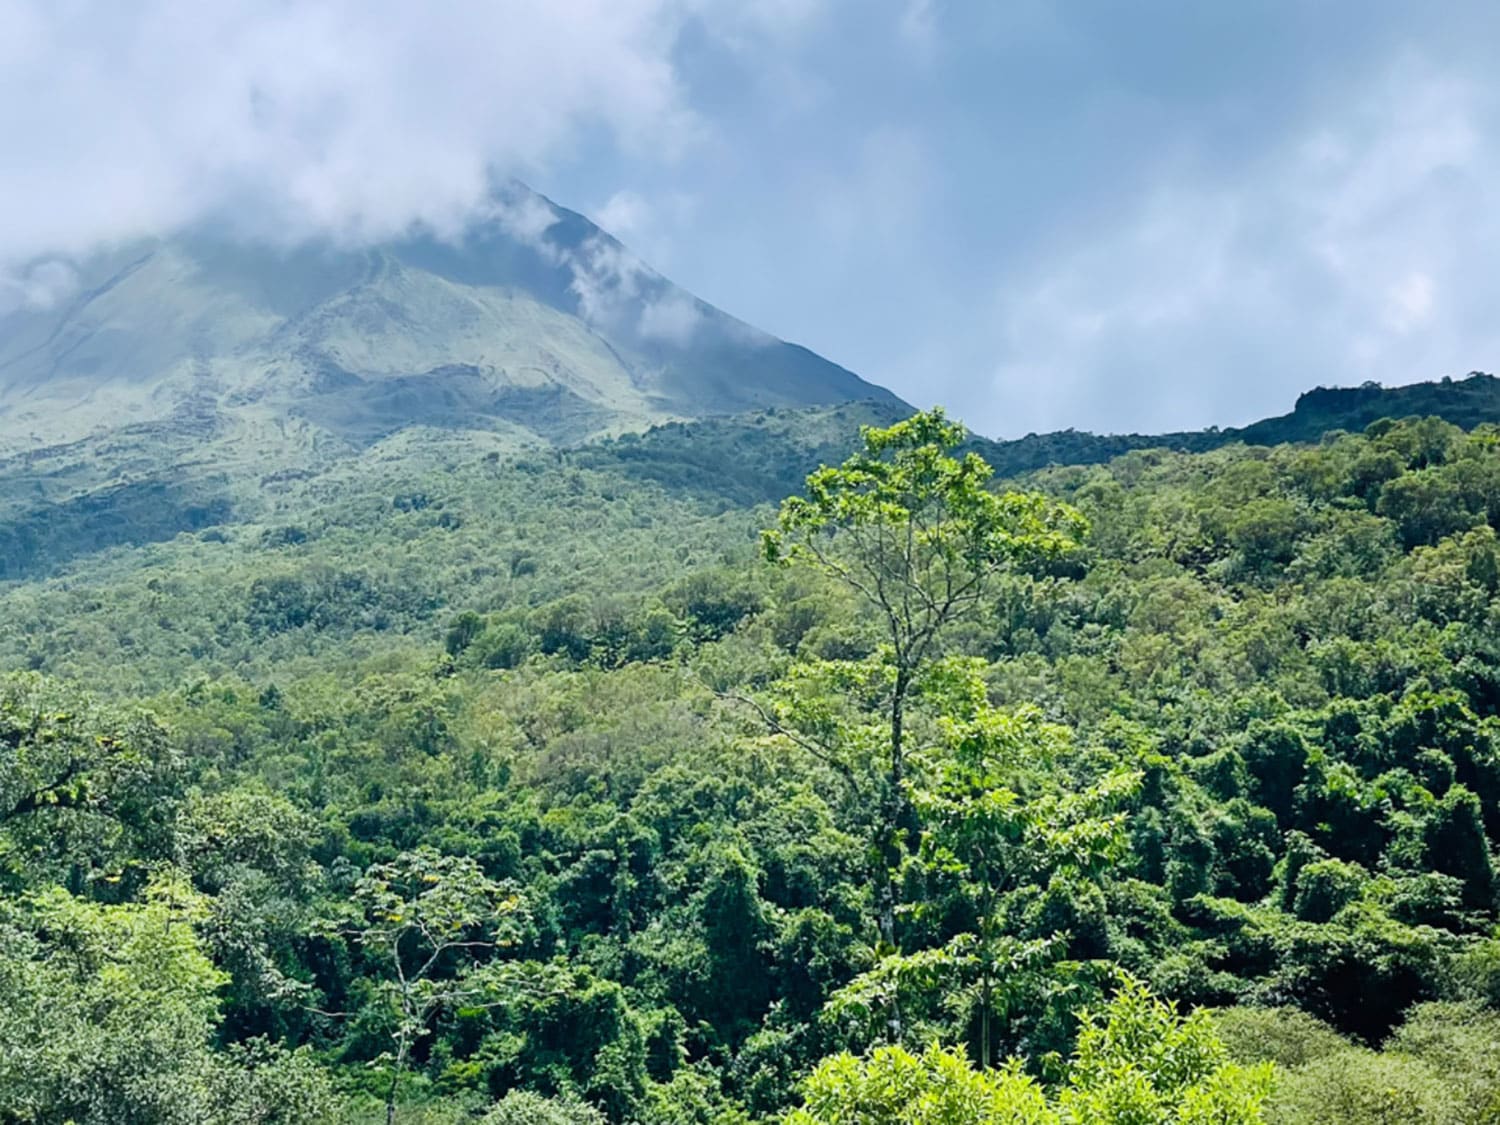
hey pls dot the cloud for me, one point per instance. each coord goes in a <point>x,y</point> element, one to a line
<point>355,117</point>
<point>1042,213</point>
<point>617,291</point>
<point>607,280</point>
<point>39,287</point>
<point>523,215</point>
<point>673,318</point>
<point>917,26</point>
<point>653,226</point>
<point>1356,249</point>
<point>614,288</point>
<point>625,215</point>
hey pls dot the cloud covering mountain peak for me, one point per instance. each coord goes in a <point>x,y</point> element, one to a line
<point>333,117</point>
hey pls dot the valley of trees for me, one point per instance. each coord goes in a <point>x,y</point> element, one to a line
<point>661,782</point>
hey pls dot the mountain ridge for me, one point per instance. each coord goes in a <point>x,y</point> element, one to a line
<point>1467,402</point>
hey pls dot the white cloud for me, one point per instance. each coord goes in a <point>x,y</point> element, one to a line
<point>1358,250</point>
<point>614,288</point>
<point>37,288</point>
<point>608,281</point>
<point>654,228</point>
<point>917,25</point>
<point>618,291</point>
<point>354,117</point>
<point>625,215</point>
<point>672,318</point>
<point>523,215</point>
<point>1409,302</point>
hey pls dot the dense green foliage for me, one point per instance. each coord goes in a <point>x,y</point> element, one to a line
<point>525,791</point>
<point>1137,1061</point>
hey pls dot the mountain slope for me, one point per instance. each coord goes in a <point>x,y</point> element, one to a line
<point>172,384</point>
<point>535,325</point>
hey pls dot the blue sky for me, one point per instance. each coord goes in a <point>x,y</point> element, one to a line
<point>1113,216</point>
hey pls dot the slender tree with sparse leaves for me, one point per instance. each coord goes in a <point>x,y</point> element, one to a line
<point>416,912</point>
<point>919,534</point>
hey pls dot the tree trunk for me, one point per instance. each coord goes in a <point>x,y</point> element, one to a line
<point>390,1101</point>
<point>985,998</point>
<point>886,919</point>
<point>893,814</point>
<point>887,891</point>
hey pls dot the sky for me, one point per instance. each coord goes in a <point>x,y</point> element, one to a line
<point>1042,214</point>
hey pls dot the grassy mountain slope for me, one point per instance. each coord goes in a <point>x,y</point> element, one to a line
<point>409,541</point>
<point>178,380</point>
<point>532,318</point>
<point>206,361</point>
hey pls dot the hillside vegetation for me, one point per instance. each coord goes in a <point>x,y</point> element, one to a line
<point>138,483</point>
<point>523,788</point>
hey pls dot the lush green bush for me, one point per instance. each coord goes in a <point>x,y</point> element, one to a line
<point>1136,1061</point>
<point>1440,1066</point>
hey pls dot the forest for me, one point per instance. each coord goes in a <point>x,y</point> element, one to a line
<point>798,767</point>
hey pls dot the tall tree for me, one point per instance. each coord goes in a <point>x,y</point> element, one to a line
<point>996,820</point>
<point>920,536</point>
